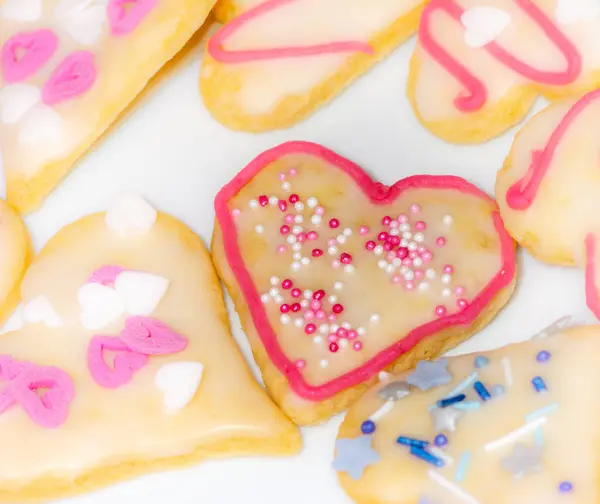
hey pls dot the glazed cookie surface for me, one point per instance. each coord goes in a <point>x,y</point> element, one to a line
<point>123,362</point>
<point>68,68</point>
<point>337,277</point>
<point>549,186</point>
<point>480,64</point>
<point>279,60</point>
<point>512,425</point>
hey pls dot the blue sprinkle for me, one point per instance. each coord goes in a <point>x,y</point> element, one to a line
<point>565,487</point>
<point>539,384</point>
<point>411,442</point>
<point>368,427</point>
<point>467,405</point>
<point>481,361</point>
<point>498,390</point>
<point>543,356</point>
<point>426,456</point>
<point>482,391</point>
<point>538,436</point>
<point>440,440</point>
<point>463,465</point>
<point>550,408</point>
<point>464,384</point>
<point>443,403</point>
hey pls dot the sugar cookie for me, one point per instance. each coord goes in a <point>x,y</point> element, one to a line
<point>512,425</point>
<point>549,186</point>
<point>68,68</point>
<point>337,277</point>
<point>278,61</point>
<point>479,66</point>
<point>128,335</point>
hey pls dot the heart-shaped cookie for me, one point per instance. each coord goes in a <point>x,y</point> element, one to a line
<point>337,277</point>
<point>134,384</point>
<point>503,426</point>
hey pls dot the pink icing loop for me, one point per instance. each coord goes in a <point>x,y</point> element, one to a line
<point>25,53</point>
<point>9,368</point>
<point>125,15</point>
<point>74,76</point>
<point>151,337</point>
<point>106,275</point>
<point>216,50</point>
<point>476,90</point>
<point>126,361</point>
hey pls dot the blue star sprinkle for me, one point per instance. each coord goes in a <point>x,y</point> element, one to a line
<point>429,374</point>
<point>354,455</point>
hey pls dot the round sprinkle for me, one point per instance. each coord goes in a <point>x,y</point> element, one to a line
<point>286,284</point>
<point>285,319</point>
<point>332,299</point>
<point>367,427</point>
<point>440,440</point>
<point>543,356</point>
<point>284,308</point>
<point>299,206</point>
<point>274,291</point>
<point>357,346</point>
<point>282,204</point>
<point>286,186</point>
<point>565,487</point>
<point>440,310</point>
<point>378,250</point>
<point>263,201</point>
<point>446,292</point>
<point>273,200</point>
<point>296,307</point>
<point>318,295</point>
<point>441,241</point>
<point>316,219</point>
<point>284,230</point>
<point>419,237</point>
<point>337,308</point>
<point>296,266</point>
<point>317,252</point>
<point>349,268</point>
<point>265,298</point>
<point>481,361</point>
<point>312,202</point>
<point>334,223</point>
<point>370,245</point>
<point>291,239</point>
<point>298,322</point>
<point>430,273</point>
<point>274,281</point>
<point>301,364</point>
<point>341,238</point>
<point>462,303</point>
<point>333,347</point>
<point>279,299</point>
<point>447,219</point>
<point>310,328</point>
<point>414,208</point>
<point>324,363</point>
<point>253,203</point>
<point>308,294</point>
<point>386,220</point>
<point>347,232</point>
<point>497,390</point>
<point>324,329</point>
<point>297,256</point>
<point>259,229</point>
<point>296,292</point>
<point>298,219</point>
<point>338,285</point>
<point>332,250</point>
<point>235,212</point>
<point>374,318</point>
<point>293,171</point>
<point>361,331</point>
<point>363,230</point>
<point>446,279</point>
<point>294,198</point>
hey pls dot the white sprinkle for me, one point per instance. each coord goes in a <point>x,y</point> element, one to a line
<point>374,318</point>
<point>361,331</point>
<point>452,488</point>
<point>447,219</point>
<point>297,256</point>
<point>285,319</point>
<point>298,219</point>
<point>305,261</point>
<point>299,206</point>
<point>318,340</point>
<point>304,303</point>
<point>417,261</point>
<point>338,285</point>
<point>312,202</point>
<point>316,219</point>
<point>332,299</point>
<point>430,273</point>
<point>278,299</point>
<point>423,286</point>
<point>265,298</point>
<point>442,454</point>
<point>397,262</point>
<point>286,186</point>
<point>508,379</point>
<point>404,227</point>
<point>382,411</point>
<point>295,266</point>
<point>291,239</point>
<point>324,329</point>
<point>274,280</point>
<point>273,200</point>
<point>446,279</point>
<point>332,250</point>
<point>324,363</point>
<point>334,327</point>
<point>308,294</point>
<point>446,292</point>
<point>404,269</point>
<point>297,229</point>
<point>394,231</point>
<point>419,237</point>
<point>403,242</point>
<point>347,232</point>
<point>343,343</point>
<point>382,263</point>
<point>349,268</point>
<point>341,239</point>
<point>516,434</point>
<point>409,275</point>
<point>390,268</point>
<point>378,250</point>
<point>259,229</point>
<point>296,247</point>
<point>298,322</point>
<point>253,204</point>
<point>346,325</point>
<point>407,235</point>
<point>412,246</point>
<point>274,291</point>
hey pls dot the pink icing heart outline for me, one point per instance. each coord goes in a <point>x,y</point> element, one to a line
<point>126,363</point>
<point>378,194</point>
<point>74,76</point>
<point>39,47</point>
<point>122,22</point>
<point>151,337</point>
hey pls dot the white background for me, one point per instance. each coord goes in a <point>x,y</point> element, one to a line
<point>169,149</point>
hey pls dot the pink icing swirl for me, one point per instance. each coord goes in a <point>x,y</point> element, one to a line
<point>74,76</point>
<point>24,54</point>
<point>124,16</point>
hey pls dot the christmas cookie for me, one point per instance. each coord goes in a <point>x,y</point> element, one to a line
<point>68,68</point>
<point>122,362</point>
<point>479,66</point>
<point>278,61</point>
<point>496,427</point>
<point>337,277</point>
<point>550,184</point>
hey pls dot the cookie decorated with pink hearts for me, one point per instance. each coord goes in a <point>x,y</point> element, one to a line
<point>337,277</point>
<point>114,340</point>
<point>478,67</point>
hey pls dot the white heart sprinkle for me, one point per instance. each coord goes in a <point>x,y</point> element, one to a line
<point>15,322</point>
<point>141,292</point>
<point>100,305</point>
<point>84,20</point>
<point>130,214</point>
<point>16,100</point>
<point>21,10</point>
<point>574,11</point>
<point>40,309</point>
<point>40,124</point>
<point>179,382</point>
<point>483,25</point>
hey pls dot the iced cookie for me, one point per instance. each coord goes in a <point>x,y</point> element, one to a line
<point>279,60</point>
<point>479,65</point>
<point>550,185</point>
<point>68,68</point>
<point>337,277</point>
<point>124,362</point>
<point>226,10</point>
<point>515,425</point>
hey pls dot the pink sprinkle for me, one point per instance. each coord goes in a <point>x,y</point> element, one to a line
<point>321,315</point>
<point>282,205</point>
<point>394,240</point>
<point>287,284</point>
<point>320,210</point>
<point>332,317</point>
<point>318,295</point>
<point>294,198</point>
<point>335,264</point>
<point>312,235</point>
<point>337,308</point>
<point>440,310</point>
<point>341,332</point>
<point>403,219</point>
<point>441,241</point>
<point>448,269</point>
<point>396,279</point>
<point>409,286</point>
<point>334,223</point>
<point>315,305</point>
<point>345,258</point>
<point>293,171</point>
<point>357,346</point>
<point>317,252</point>
<point>352,334</point>
<point>414,208</point>
<point>394,224</point>
<point>462,303</point>
<point>387,246</point>
<point>459,291</point>
<point>420,226</point>
<point>386,220</point>
<point>363,230</point>
<point>300,364</point>
<point>296,307</point>
<point>332,338</point>
<point>235,212</point>
<point>284,308</point>
<point>370,245</point>
<point>391,255</point>
<point>289,219</point>
<point>284,229</point>
<point>419,274</point>
<point>301,237</point>
<point>282,249</point>
<point>407,262</point>
<point>296,293</point>
<point>263,200</point>
<point>333,347</point>
<point>382,236</point>
<point>310,328</point>
<point>421,249</point>
<point>331,242</point>
<point>413,254</point>
<point>427,256</point>
<point>402,253</point>
<point>309,315</point>
<point>282,176</point>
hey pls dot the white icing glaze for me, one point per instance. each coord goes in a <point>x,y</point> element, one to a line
<point>21,10</point>
<point>40,309</point>
<point>100,305</point>
<point>574,11</point>
<point>141,292</point>
<point>130,214</point>
<point>16,100</point>
<point>179,382</point>
<point>483,25</point>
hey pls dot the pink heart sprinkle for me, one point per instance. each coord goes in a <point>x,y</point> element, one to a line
<point>106,275</point>
<point>126,362</point>
<point>74,76</point>
<point>125,15</point>
<point>25,53</point>
<point>150,337</point>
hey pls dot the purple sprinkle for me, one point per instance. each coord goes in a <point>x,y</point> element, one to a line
<point>543,356</point>
<point>440,440</point>
<point>565,487</point>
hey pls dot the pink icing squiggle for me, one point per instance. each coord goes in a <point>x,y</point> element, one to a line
<point>522,193</point>
<point>477,92</point>
<point>25,53</point>
<point>141,337</point>
<point>124,16</point>
<point>106,275</point>
<point>25,379</point>
<point>215,44</point>
<point>74,76</point>
<point>592,296</point>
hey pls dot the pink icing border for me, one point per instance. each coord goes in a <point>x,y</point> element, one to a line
<point>591,290</point>
<point>215,44</point>
<point>378,194</point>
<point>477,91</point>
